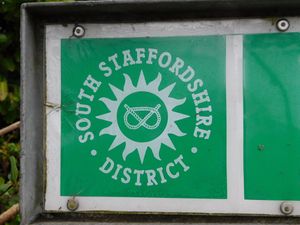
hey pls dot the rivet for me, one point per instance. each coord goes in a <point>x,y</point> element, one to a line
<point>78,31</point>
<point>282,25</point>
<point>261,147</point>
<point>194,150</point>
<point>72,204</point>
<point>286,208</point>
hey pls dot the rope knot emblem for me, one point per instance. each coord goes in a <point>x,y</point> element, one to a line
<point>142,122</point>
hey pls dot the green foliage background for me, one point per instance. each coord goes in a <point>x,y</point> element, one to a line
<point>10,103</point>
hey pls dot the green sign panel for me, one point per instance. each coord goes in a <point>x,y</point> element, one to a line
<point>144,117</point>
<point>147,117</point>
<point>272,116</point>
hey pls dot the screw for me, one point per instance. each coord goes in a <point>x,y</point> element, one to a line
<point>72,204</point>
<point>286,208</point>
<point>78,31</point>
<point>261,147</point>
<point>282,25</point>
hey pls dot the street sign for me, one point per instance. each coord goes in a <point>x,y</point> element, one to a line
<point>143,116</point>
<point>197,117</point>
<point>160,112</point>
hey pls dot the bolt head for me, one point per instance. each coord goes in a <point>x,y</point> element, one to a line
<point>78,31</point>
<point>282,25</point>
<point>261,147</point>
<point>72,204</point>
<point>286,208</point>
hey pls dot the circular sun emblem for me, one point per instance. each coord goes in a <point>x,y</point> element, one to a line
<point>142,116</point>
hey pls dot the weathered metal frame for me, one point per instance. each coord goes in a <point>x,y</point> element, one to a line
<point>34,18</point>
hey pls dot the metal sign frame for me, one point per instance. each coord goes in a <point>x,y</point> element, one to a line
<point>35,18</point>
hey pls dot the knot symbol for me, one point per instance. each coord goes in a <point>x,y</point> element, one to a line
<point>142,122</point>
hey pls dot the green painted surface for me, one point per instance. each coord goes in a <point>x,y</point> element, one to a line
<point>139,137</point>
<point>272,116</point>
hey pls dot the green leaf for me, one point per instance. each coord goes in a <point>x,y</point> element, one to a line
<point>2,181</point>
<point>5,187</point>
<point>8,64</point>
<point>3,38</point>
<point>13,200</point>
<point>13,148</point>
<point>3,90</point>
<point>14,173</point>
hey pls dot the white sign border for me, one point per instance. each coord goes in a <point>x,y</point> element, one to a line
<point>235,202</point>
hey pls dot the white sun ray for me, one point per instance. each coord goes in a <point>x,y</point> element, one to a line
<point>116,142</point>
<point>128,150</point>
<point>169,143</point>
<point>106,117</point>
<point>154,85</point>
<point>117,92</point>
<point>167,91</point>
<point>141,82</point>
<point>141,147</point>
<point>107,102</point>
<point>176,131</point>
<point>176,102</point>
<point>107,130</point>
<point>156,152</point>
<point>128,83</point>
<point>178,116</point>
<point>142,153</point>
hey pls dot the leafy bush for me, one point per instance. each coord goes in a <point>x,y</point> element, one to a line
<point>9,103</point>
